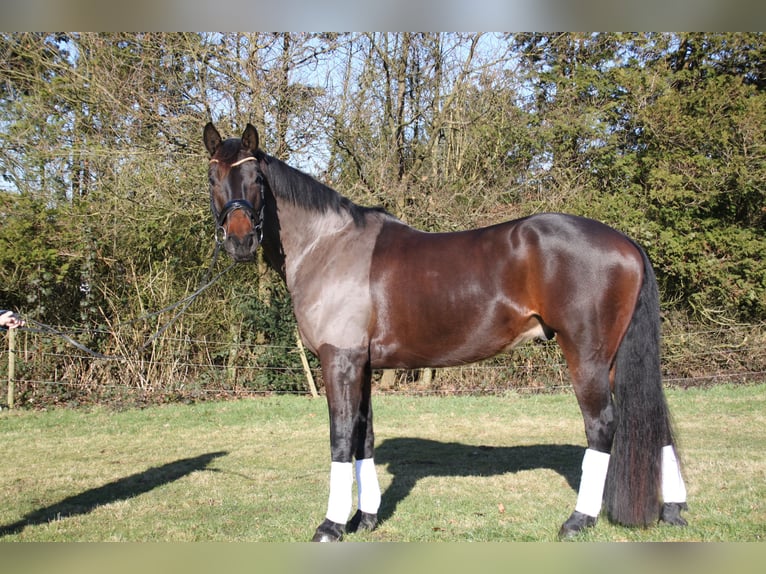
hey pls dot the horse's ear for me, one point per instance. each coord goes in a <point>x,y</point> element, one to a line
<point>250,139</point>
<point>211,138</point>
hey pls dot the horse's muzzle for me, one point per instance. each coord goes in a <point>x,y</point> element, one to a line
<point>239,231</point>
<point>242,249</point>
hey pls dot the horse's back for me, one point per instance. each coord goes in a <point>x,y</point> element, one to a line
<point>450,298</point>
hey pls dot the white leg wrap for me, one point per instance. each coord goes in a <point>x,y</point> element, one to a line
<point>341,481</point>
<point>367,486</point>
<point>594,467</point>
<point>673,488</point>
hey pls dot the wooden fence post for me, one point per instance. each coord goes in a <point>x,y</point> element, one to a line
<point>305,363</point>
<point>11,365</point>
<point>388,378</point>
<point>427,376</point>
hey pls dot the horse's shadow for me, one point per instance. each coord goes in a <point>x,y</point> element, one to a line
<point>411,459</point>
<point>121,489</point>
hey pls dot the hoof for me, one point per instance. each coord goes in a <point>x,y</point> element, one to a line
<point>671,513</point>
<point>363,521</point>
<point>576,524</point>
<point>329,531</point>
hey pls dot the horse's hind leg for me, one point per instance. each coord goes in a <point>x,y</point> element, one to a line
<point>591,385</point>
<point>673,488</point>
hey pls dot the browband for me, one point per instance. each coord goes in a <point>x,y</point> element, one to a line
<point>236,163</point>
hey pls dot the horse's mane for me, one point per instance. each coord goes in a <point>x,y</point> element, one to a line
<point>301,189</point>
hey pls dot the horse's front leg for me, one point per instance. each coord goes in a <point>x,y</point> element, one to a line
<point>368,488</point>
<point>347,379</point>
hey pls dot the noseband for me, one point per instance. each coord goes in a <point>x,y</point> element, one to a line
<point>244,205</point>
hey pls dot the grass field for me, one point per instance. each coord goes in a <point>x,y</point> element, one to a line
<point>451,469</point>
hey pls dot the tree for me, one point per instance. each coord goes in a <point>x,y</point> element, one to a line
<point>662,136</point>
<point>704,142</point>
<point>103,214</point>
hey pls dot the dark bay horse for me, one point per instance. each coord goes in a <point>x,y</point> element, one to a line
<point>369,292</point>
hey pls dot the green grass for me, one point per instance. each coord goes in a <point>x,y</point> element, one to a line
<point>451,469</point>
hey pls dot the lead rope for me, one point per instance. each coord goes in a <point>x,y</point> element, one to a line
<point>189,299</point>
<point>186,301</point>
<point>205,283</point>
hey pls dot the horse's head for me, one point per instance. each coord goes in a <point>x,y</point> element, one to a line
<point>236,191</point>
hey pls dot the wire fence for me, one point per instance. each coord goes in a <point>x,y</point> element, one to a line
<point>47,370</point>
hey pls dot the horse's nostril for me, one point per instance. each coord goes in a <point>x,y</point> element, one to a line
<point>242,248</point>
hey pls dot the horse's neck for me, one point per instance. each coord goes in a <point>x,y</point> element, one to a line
<point>306,230</point>
<point>274,255</point>
<point>293,233</point>
<point>302,228</point>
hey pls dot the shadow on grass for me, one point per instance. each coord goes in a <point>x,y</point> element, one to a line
<point>410,459</point>
<point>121,489</point>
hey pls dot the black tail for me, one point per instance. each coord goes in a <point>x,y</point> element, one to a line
<point>632,492</point>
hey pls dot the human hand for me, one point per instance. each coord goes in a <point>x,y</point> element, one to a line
<point>11,320</point>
